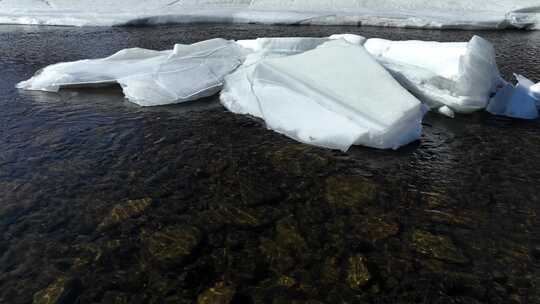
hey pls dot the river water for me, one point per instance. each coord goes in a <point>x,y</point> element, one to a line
<point>102,201</point>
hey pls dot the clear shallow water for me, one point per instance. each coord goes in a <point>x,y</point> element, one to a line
<point>103,201</point>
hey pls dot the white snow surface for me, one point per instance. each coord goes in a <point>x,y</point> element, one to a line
<point>460,76</point>
<point>150,78</point>
<point>465,14</point>
<point>334,95</point>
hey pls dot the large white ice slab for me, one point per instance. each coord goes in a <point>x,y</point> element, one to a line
<point>412,13</point>
<point>334,96</point>
<point>461,76</point>
<point>150,78</point>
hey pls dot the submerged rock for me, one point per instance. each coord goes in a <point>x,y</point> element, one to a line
<point>286,281</point>
<point>62,291</point>
<point>285,249</point>
<point>349,191</point>
<point>242,217</point>
<point>122,212</point>
<point>219,294</point>
<point>437,246</point>
<point>373,228</point>
<point>330,272</point>
<point>298,160</point>
<point>172,245</point>
<point>357,273</point>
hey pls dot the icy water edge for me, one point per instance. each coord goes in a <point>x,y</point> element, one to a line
<point>105,202</point>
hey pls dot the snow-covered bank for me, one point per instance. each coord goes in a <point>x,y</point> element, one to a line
<point>463,14</point>
<point>331,92</point>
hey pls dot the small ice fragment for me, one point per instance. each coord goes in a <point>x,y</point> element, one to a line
<point>446,111</point>
<point>514,101</point>
<point>350,38</point>
<point>533,89</point>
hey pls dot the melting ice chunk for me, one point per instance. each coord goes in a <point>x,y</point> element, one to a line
<point>347,99</point>
<point>282,45</point>
<point>148,77</point>
<point>459,75</point>
<point>350,38</point>
<point>533,89</point>
<point>515,101</point>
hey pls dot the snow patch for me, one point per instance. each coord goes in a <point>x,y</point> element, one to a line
<point>463,14</point>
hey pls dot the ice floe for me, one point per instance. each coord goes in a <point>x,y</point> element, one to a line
<point>460,76</point>
<point>332,91</point>
<point>411,13</point>
<point>334,96</point>
<point>150,78</point>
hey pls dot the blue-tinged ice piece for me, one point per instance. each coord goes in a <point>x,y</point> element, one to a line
<point>514,101</point>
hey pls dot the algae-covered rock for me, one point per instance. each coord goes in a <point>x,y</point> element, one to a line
<point>373,228</point>
<point>115,298</point>
<point>287,235</point>
<point>219,294</point>
<point>297,159</point>
<point>172,245</point>
<point>357,272</point>
<point>454,219</point>
<point>286,281</point>
<point>62,291</point>
<point>437,246</point>
<point>349,191</point>
<point>121,212</point>
<point>330,272</point>
<point>88,253</point>
<point>242,217</point>
<point>285,249</point>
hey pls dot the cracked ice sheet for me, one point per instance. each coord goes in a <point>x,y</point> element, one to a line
<point>457,76</point>
<point>147,77</point>
<point>335,95</point>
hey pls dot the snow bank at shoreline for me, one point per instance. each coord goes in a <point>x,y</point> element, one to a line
<point>462,14</point>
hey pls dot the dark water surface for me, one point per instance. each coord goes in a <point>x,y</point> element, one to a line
<point>102,201</point>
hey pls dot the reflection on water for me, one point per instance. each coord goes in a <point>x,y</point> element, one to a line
<point>104,201</point>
